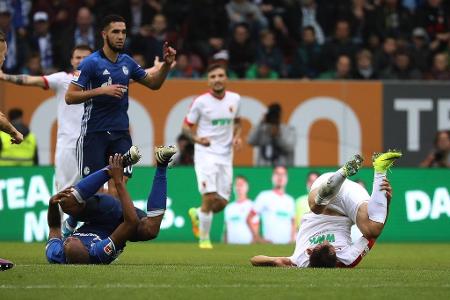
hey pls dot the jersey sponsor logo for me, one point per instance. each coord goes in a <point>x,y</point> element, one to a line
<point>109,248</point>
<point>322,238</point>
<point>282,214</point>
<point>109,82</point>
<point>76,75</point>
<point>106,72</point>
<point>221,122</point>
<point>125,70</point>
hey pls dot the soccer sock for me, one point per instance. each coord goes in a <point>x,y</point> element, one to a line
<point>89,185</point>
<point>156,202</point>
<point>205,221</point>
<point>328,190</point>
<point>377,206</point>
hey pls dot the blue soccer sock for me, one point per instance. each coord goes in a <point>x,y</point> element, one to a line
<point>89,185</point>
<point>156,203</point>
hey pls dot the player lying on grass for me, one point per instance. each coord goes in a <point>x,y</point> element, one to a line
<point>108,223</point>
<point>336,203</point>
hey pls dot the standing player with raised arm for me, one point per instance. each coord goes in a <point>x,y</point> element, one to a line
<point>216,114</point>
<point>6,126</point>
<point>101,83</point>
<point>68,116</point>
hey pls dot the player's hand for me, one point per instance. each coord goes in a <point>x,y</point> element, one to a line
<point>157,64</point>
<point>116,168</point>
<point>168,54</point>
<point>59,197</point>
<point>386,186</point>
<point>204,141</point>
<point>237,143</point>
<point>16,137</point>
<point>114,90</point>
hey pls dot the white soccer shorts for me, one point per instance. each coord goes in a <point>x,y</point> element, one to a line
<point>214,177</point>
<point>66,168</point>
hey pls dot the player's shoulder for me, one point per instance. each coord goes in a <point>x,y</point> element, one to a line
<point>232,95</point>
<point>265,194</point>
<point>203,97</point>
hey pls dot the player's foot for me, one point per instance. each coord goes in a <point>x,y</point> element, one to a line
<point>163,154</point>
<point>352,166</point>
<point>383,161</point>
<point>5,264</point>
<point>193,214</point>
<point>131,157</point>
<point>205,244</point>
<point>66,229</point>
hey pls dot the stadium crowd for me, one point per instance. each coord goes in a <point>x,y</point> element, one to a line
<point>345,39</point>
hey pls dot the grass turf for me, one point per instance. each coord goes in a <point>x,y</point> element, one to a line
<point>182,271</point>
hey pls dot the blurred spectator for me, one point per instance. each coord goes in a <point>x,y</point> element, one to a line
<point>275,140</point>
<point>242,50</point>
<point>206,28</point>
<point>306,63</point>
<point>185,154</point>
<point>24,154</point>
<point>364,66</point>
<point>392,19</point>
<point>276,210</point>
<point>261,70</point>
<point>223,58</point>
<point>420,52</point>
<point>439,155</point>
<point>17,48</point>
<point>61,13</point>
<point>150,40</point>
<point>385,57</point>
<point>244,11</point>
<point>237,230</point>
<point>138,14</point>
<point>84,33</point>
<point>340,44</point>
<point>433,17</point>
<point>268,53</point>
<point>309,12</point>
<point>140,59</point>
<point>343,69</point>
<point>183,68</point>
<point>45,43</point>
<point>33,66</point>
<point>402,68</point>
<point>301,203</point>
<point>440,69</point>
<point>362,20</point>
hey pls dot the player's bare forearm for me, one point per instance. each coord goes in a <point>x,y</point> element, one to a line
<point>269,261</point>
<point>54,221</point>
<point>188,132</point>
<point>5,125</point>
<point>76,95</point>
<point>237,128</point>
<point>23,79</point>
<point>156,79</point>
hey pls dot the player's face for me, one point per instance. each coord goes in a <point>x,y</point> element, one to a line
<point>217,80</point>
<point>75,251</point>
<point>241,187</point>
<point>78,56</point>
<point>279,177</point>
<point>115,35</point>
<point>3,49</point>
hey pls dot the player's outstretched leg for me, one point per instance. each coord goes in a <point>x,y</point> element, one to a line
<point>328,190</point>
<point>193,215</point>
<point>377,206</point>
<point>156,203</point>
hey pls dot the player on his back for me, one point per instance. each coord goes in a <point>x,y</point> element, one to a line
<point>108,223</point>
<point>101,83</point>
<point>323,240</point>
<point>216,114</point>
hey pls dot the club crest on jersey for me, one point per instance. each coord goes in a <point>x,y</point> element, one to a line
<point>125,70</point>
<point>76,75</point>
<point>109,248</point>
<point>86,170</point>
<point>231,109</point>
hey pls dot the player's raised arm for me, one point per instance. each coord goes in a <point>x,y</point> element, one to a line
<point>155,79</point>
<point>23,79</point>
<point>6,126</point>
<point>130,220</point>
<point>53,214</point>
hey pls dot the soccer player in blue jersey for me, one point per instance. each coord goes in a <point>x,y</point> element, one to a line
<point>108,223</point>
<point>101,83</point>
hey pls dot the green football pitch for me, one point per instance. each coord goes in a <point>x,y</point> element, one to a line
<point>182,271</point>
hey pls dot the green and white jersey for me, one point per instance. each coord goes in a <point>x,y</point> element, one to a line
<point>236,214</point>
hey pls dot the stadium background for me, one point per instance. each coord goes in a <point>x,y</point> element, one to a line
<point>333,118</point>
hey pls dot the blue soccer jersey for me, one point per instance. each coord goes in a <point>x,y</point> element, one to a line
<point>106,113</point>
<point>101,251</point>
